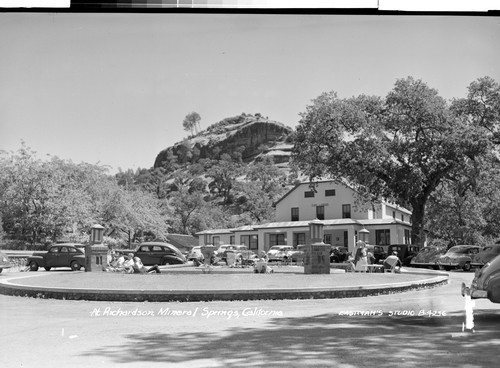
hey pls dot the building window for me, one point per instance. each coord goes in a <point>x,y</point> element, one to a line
<point>346,211</point>
<point>320,212</point>
<point>295,213</point>
<point>299,239</point>
<point>309,194</point>
<point>346,238</point>
<point>329,192</point>
<point>231,239</point>
<point>402,217</point>
<point>393,214</point>
<point>276,239</point>
<point>251,241</point>
<point>407,236</point>
<point>216,240</point>
<point>383,237</point>
<point>327,239</point>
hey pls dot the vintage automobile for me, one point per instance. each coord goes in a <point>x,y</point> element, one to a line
<point>58,255</point>
<point>297,255</point>
<point>486,283</point>
<point>459,256</point>
<point>195,253</point>
<point>427,257</point>
<point>159,253</point>
<point>339,254</point>
<point>241,252</point>
<point>4,261</point>
<point>279,253</point>
<point>485,255</point>
<point>405,252</point>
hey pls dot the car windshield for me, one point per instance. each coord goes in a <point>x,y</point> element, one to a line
<point>457,249</point>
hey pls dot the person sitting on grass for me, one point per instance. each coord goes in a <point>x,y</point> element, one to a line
<point>261,266</point>
<point>140,268</point>
<point>116,264</point>
<point>128,265</point>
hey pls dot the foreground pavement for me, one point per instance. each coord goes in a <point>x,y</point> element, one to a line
<point>411,329</point>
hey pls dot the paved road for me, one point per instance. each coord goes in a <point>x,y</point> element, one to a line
<point>415,329</point>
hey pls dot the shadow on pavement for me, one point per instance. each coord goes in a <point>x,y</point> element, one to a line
<point>325,340</point>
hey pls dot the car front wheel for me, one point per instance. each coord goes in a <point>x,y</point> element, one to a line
<point>75,266</point>
<point>33,266</point>
<point>466,267</point>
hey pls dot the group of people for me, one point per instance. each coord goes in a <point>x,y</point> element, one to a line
<point>118,262</point>
<point>363,258</point>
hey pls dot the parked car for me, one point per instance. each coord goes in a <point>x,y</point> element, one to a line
<point>427,257</point>
<point>405,252</point>
<point>279,253</point>
<point>459,256</point>
<point>486,283</point>
<point>58,255</point>
<point>379,252</point>
<point>485,255</point>
<point>339,254</point>
<point>241,252</point>
<point>159,253</point>
<point>195,253</point>
<point>4,261</point>
<point>297,255</point>
<point>221,251</point>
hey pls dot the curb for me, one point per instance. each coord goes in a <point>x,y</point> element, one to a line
<point>128,295</point>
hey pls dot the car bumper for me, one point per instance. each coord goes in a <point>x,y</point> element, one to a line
<point>449,264</point>
<point>423,264</point>
<point>473,291</point>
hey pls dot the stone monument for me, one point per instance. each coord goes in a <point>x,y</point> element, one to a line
<point>317,253</point>
<point>96,253</point>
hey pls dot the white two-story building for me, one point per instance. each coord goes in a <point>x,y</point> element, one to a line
<point>339,208</point>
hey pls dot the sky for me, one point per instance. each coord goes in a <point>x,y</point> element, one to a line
<point>113,88</point>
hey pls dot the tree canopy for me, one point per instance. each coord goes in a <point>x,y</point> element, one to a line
<point>401,147</point>
<point>192,122</point>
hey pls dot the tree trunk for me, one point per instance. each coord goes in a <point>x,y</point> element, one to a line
<point>417,222</point>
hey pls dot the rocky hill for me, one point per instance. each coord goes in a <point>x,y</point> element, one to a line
<point>255,135</point>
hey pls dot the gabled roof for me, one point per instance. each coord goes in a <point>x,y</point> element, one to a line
<point>215,231</point>
<point>183,241</point>
<point>270,225</point>
<point>308,183</point>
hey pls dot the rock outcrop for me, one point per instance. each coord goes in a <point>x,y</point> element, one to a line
<point>255,135</point>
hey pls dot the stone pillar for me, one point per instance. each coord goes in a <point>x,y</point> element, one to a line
<point>96,253</point>
<point>316,254</point>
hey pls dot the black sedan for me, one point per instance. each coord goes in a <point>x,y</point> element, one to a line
<point>159,253</point>
<point>58,255</point>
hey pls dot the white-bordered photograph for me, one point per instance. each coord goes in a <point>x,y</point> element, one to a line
<point>245,189</point>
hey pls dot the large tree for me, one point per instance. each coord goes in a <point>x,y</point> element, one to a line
<point>400,147</point>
